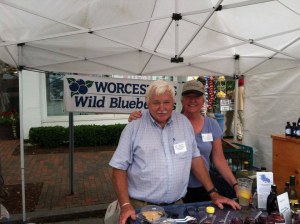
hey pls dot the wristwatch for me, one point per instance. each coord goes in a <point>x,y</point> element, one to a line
<point>212,190</point>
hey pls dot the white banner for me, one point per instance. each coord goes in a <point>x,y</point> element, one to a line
<point>105,95</point>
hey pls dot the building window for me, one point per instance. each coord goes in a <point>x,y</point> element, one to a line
<point>9,88</point>
<point>54,88</point>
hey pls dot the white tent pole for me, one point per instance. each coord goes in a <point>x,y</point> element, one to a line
<point>22,144</point>
<point>246,3</point>
<point>71,152</point>
<point>236,98</point>
<point>22,165</point>
<point>176,30</point>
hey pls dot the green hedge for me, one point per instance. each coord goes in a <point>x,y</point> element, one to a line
<point>84,135</point>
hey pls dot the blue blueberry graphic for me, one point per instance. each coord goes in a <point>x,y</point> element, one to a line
<point>80,82</point>
<point>74,87</point>
<point>83,89</point>
<point>79,86</point>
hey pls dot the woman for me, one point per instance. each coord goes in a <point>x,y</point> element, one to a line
<point>208,135</point>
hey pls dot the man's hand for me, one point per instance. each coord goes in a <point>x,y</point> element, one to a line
<point>127,212</point>
<point>135,115</point>
<point>219,200</point>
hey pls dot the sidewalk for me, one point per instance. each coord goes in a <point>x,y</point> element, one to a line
<point>92,179</point>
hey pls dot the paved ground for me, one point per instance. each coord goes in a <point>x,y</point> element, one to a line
<point>93,188</point>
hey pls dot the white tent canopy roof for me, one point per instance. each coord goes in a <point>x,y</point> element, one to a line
<point>140,37</point>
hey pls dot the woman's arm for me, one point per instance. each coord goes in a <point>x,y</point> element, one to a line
<point>221,164</point>
<point>135,115</point>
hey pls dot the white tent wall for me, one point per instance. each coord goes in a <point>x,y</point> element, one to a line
<point>271,99</point>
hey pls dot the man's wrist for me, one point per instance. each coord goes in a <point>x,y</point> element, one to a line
<point>213,190</point>
<point>124,204</point>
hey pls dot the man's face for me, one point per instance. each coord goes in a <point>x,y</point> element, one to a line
<point>161,107</point>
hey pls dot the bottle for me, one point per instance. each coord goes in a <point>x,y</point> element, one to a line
<point>293,196</point>
<point>255,200</point>
<point>210,215</point>
<point>249,220</point>
<point>263,169</point>
<point>262,219</point>
<point>272,205</point>
<point>229,161</point>
<point>294,129</point>
<point>236,220</point>
<point>288,129</point>
<point>296,214</point>
<point>246,165</point>
<point>296,218</point>
<point>297,132</point>
<point>278,217</point>
<point>286,186</point>
<point>296,208</point>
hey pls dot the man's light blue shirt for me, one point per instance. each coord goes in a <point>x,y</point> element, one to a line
<point>155,172</point>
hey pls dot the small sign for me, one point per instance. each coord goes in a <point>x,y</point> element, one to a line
<point>104,95</point>
<point>284,206</point>
<point>225,104</point>
<point>264,181</point>
<point>225,108</point>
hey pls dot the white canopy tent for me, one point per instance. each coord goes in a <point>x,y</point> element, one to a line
<point>257,38</point>
<point>141,37</point>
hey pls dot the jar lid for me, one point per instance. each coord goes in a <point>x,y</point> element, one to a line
<point>210,209</point>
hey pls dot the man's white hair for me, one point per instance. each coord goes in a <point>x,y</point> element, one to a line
<point>158,88</point>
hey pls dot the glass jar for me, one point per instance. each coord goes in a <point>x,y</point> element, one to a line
<point>249,220</point>
<point>210,215</point>
<point>236,220</point>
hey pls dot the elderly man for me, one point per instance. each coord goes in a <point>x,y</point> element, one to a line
<point>154,157</point>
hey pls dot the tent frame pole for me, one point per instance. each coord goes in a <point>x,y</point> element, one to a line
<point>22,158</point>
<point>71,152</point>
<point>236,98</point>
<point>21,112</point>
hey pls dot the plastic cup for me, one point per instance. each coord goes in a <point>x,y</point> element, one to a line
<point>245,187</point>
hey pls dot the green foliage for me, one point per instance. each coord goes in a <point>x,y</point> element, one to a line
<point>48,137</point>
<point>230,85</point>
<point>9,117</point>
<point>84,135</point>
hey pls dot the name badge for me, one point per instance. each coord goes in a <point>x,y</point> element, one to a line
<point>180,147</point>
<point>207,137</point>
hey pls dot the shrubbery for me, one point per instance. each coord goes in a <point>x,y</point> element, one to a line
<point>84,135</point>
